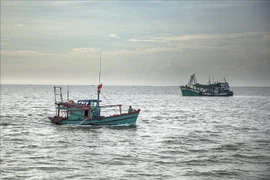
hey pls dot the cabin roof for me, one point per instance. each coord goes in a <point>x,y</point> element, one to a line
<point>206,85</point>
<point>88,100</point>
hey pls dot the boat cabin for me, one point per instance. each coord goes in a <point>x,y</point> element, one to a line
<point>91,110</point>
<point>83,108</point>
<point>91,102</point>
<point>217,87</point>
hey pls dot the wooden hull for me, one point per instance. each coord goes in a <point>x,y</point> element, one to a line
<point>121,119</point>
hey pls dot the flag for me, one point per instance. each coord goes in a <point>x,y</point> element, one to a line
<point>99,86</point>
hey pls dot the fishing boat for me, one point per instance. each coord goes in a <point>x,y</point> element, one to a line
<point>89,111</point>
<point>210,89</point>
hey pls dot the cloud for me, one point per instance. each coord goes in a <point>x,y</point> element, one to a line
<point>113,36</point>
<point>61,3</point>
<point>21,25</point>
<point>40,3</point>
<point>73,53</point>
<point>266,37</point>
<point>207,42</point>
<point>144,40</point>
<point>165,39</point>
<point>160,44</point>
<point>19,53</point>
<point>29,53</point>
<point>84,50</point>
<point>9,3</point>
<point>88,52</point>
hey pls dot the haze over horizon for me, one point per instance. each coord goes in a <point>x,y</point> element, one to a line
<point>159,43</point>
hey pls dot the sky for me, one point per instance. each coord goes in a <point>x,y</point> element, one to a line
<point>156,43</point>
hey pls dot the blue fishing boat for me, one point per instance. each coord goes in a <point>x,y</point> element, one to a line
<point>89,112</point>
<point>211,89</point>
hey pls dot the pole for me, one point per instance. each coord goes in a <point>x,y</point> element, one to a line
<point>99,68</point>
<point>67,92</point>
<point>98,91</point>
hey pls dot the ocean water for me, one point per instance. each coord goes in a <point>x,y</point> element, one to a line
<point>175,137</point>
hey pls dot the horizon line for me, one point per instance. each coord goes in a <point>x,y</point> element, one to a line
<point>116,85</point>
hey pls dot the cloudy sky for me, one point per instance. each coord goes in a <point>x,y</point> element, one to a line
<point>141,42</point>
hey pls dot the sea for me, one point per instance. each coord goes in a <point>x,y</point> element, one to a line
<point>175,137</point>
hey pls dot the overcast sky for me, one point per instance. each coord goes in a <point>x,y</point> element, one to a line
<point>141,42</point>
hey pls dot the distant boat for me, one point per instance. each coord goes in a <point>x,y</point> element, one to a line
<point>211,89</point>
<point>88,111</point>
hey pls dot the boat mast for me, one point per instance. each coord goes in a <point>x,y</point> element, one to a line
<point>98,91</point>
<point>67,92</point>
<point>99,67</point>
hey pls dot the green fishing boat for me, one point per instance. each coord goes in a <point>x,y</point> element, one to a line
<point>211,89</point>
<point>89,111</point>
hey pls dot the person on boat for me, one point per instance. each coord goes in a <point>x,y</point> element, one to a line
<point>130,109</point>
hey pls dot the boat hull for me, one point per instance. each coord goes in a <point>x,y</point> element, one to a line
<point>190,92</point>
<point>121,119</point>
<point>193,92</point>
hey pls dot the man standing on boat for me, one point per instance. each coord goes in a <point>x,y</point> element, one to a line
<point>130,109</point>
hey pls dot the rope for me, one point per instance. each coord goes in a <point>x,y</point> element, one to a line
<point>114,110</point>
<point>81,122</point>
<point>105,97</point>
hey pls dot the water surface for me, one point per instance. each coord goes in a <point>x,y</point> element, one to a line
<point>176,137</point>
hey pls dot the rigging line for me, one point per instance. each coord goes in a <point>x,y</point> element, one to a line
<point>114,110</point>
<point>92,97</point>
<point>81,122</point>
<point>105,97</point>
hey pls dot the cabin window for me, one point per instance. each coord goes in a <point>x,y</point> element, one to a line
<point>86,113</point>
